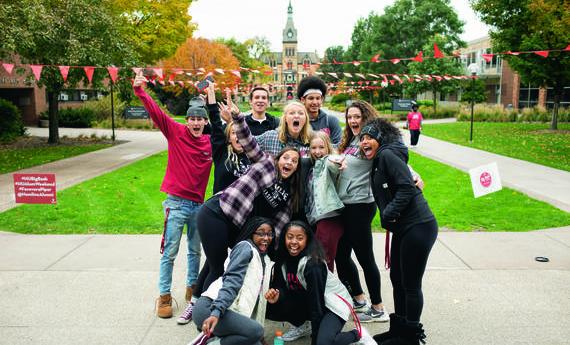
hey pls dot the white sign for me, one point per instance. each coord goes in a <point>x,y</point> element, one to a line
<point>485,179</point>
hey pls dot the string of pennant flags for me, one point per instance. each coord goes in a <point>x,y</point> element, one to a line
<point>157,75</point>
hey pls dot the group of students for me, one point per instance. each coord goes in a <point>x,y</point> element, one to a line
<point>287,207</point>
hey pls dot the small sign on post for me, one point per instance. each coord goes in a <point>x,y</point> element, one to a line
<point>35,188</point>
<point>485,179</point>
<point>135,113</point>
<point>402,104</point>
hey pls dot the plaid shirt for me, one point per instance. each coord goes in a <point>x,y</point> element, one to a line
<point>237,200</point>
<point>269,142</point>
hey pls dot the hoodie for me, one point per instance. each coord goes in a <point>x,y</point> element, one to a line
<point>400,202</point>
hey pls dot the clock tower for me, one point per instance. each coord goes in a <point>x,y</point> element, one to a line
<point>289,57</point>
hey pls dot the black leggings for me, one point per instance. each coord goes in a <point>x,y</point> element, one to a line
<point>357,220</point>
<point>282,310</point>
<point>217,234</point>
<point>330,331</point>
<point>414,136</point>
<point>408,258</point>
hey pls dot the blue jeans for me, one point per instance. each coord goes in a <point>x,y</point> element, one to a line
<point>179,211</point>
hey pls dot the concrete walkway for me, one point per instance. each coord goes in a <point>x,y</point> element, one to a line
<point>479,289</point>
<point>72,171</point>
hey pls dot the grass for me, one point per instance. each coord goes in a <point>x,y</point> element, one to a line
<point>527,141</point>
<point>13,159</point>
<point>128,201</point>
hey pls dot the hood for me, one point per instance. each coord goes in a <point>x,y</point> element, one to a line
<point>398,148</point>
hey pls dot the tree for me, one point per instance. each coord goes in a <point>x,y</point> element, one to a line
<point>334,53</point>
<point>242,51</point>
<point>198,53</point>
<point>258,47</point>
<point>474,91</point>
<point>528,26</point>
<point>441,66</point>
<point>156,27</point>
<point>64,32</point>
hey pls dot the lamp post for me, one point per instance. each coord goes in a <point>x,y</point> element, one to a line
<point>473,68</point>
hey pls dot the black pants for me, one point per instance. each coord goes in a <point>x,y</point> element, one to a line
<point>414,136</point>
<point>284,310</point>
<point>408,257</point>
<point>330,331</point>
<point>357,220</point>
<point>217,234</point>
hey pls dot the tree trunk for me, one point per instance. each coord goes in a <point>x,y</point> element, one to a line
<point>53,117</point>
<point>558,90</point>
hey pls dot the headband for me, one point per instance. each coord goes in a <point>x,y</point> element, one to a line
<point>312,91</point>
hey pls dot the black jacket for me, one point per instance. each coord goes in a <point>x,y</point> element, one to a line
<point>401,203</point>
<point>257,128</point>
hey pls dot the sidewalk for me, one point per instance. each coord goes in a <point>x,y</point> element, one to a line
<point>72,171</point>
<point>479,289</point>
<point>540,182</point>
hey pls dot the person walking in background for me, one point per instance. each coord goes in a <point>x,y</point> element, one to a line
<point>311,92</point>
<point>414,124</point>
<point>405,213</point>
<point>185,181</point>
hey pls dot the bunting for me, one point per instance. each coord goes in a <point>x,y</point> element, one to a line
<point>436,52</point>
<point>10,66</point>
<point>37,70</point>
<point>64,70</point>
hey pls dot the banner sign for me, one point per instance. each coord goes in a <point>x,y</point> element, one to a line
<point>35,188</point>
<point>485,179</point>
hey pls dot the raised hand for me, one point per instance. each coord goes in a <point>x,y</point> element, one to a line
<point>211,92</point>
<point>225,112</point>
<point>233,108</point>
<point>140,80</point>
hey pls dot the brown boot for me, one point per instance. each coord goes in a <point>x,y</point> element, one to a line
<point>164,309</point>
<point>189,291</point>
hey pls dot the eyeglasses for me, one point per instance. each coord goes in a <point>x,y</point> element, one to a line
<point>264,234</point>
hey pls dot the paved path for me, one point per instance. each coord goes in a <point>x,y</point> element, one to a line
<point>538,181</point>
<point>479,289</point>
<point>72,171</point>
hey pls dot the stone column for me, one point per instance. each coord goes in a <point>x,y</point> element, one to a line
<point>542,97</point>
<point>516,91</point>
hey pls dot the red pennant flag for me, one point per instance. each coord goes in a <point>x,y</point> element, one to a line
<point>397,78</point>
<point>487,57</point>
<point>113,72</point>
<point>567,48</point>
<point>543,53</point>
<point>437,77</point>
<point>37,70</point>
<point>375,58</point>
<point>436,52</point>
<point>395,61</point>
<point>419,57</point>
<point>10,66</point>
<point>64,70</point>
<point>181,83</point>
<point>392,82</point>
<point>158,72</point>
<point>446,77</point>
<point>89,72</point>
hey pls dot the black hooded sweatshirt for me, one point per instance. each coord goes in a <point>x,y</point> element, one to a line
<point>401,203</point>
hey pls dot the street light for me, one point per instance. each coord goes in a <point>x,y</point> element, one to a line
<point>473,69</point>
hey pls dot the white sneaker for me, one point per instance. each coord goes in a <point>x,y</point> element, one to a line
<point>295,333</point>
<point>373,315</point>
<point>365,339</point>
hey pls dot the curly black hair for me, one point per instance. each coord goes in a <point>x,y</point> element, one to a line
<point>390,133</point>
<point>311,82</point>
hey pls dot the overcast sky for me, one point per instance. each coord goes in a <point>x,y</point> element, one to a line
<point>320,23</point>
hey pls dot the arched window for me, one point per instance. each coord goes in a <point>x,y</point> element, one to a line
<point>289,64</point>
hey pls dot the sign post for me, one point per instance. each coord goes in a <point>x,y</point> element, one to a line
<point>35,188</point>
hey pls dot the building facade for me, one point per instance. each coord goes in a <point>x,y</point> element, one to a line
<point>504,86</point>
<point>290,65</point>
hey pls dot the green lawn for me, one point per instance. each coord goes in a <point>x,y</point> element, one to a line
<point>128,200</point>
<point>527,141</point>
<point>12,159</point>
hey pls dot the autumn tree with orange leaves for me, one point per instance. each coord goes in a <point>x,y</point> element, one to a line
<point>200,53</point>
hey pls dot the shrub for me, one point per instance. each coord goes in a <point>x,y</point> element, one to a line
<point>76,118</point>
<point>102,108</point>
<point>443,111</point>
<point>340,98</point>
<point>425,103</point>
<point>11,124</point>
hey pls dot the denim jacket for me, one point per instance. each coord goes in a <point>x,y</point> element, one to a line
<point>324,202</point>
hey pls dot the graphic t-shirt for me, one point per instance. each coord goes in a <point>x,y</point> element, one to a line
<point>414,120</point>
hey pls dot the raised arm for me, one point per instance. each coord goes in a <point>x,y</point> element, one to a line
<point>245,138</point>
<point>164,122</point>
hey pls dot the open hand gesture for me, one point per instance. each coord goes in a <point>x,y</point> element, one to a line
<point>140,80</point>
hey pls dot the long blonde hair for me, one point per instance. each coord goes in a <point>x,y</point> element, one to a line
<point>305,134</point>
<point>233,158</point>
<point>326,140</point>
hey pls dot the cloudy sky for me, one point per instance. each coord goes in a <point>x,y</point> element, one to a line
<point>320,23</point>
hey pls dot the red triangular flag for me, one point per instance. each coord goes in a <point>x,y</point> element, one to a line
<point>64,70</point>
<point>158,72</point>
<point>375,58</point>
<point>395,61</point>
<point>113,72</point>
<point>10,66</point>
<point>543,53</point>
<point>37,70</point>
<point>487,57</point>
<point>436,52</point>
<point>89,72</point>
<point>567,48</point>
<point>419,57</point>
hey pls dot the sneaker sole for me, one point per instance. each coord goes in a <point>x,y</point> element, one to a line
<point>374,320</point>
<point>180,322</point>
